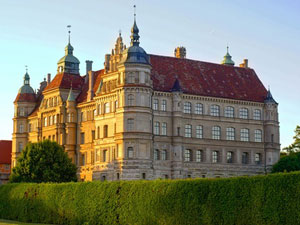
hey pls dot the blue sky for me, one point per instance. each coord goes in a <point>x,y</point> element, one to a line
<point>33,33</point>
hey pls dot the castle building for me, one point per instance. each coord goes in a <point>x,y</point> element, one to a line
<point>146,116</point>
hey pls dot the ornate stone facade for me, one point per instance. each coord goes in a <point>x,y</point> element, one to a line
<point>147,117</point>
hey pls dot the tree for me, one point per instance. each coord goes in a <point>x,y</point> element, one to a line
<point>44,161</point>
<point>295,147</point>
<point>289,160</point>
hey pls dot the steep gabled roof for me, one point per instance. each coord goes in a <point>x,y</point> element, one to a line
<point>206,79</point>
<point>5,152</point>
<point>64,80</point>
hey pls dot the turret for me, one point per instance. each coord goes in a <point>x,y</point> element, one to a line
<point>227,59</point>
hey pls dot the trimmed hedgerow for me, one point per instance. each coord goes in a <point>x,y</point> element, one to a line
<point>265,200</point>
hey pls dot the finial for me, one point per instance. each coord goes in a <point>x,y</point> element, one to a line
<point>227,48</point>
<point>69,31</point>
<point>268,87</point>
<point>26,68</point>
<point>134,8</point>
<point>120,31</point>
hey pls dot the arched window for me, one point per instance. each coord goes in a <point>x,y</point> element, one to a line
<point>156,128</point>
<point>215,110</point>
<point>156,154</point>
<point>258,136</point>
<point>244,134</point>
<point>187,155</point>
<point>188,131</point>
<point>216,132</point>
<point>199,108</point>
<point>130,100</point>
<point>229,112</point>
<point>130,152</point>
<point>187,107</point>
<point>199,131</point>
<point>257,114</point>
<point>244,113</point>
<point>230,134</point>
<point>130,124</point>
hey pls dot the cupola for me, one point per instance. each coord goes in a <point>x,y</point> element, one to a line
<point>227,59</point>
<point>26,93</point>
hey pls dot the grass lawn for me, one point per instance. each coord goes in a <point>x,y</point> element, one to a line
<point>3,222</point>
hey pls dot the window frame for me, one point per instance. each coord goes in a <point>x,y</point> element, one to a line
<point>199,131</point>
<point>245,134</point>
<point>188,130</point>
<point>164,129</point>
<point>199,109</point>
<point>229,112</point>
<point>163,106</point>
<point>244,113</point>
<point>230,134</point>
<point>187,155</point>
<point>215,110</point>
<point>216,133</point>
<point>187,107</point>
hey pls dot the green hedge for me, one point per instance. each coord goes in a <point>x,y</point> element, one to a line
<point>272,199</point>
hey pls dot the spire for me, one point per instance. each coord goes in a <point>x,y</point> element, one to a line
<point>135,31</point>
<point>269,98</point>
<point>176,86</point>
<point>71,97</point>
<point>26,77</point>
<point>227,59</point>
<point>69,48</point>
<point>69,26</point>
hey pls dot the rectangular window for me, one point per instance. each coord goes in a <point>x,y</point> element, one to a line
<point>164,105</point>
<point>107,107</point>
<point>199,131</point>
<point>105,158</point>
<point>130,152</point>
<point>81,138</point>
<point>156,154</point>
<point>229,157</point>
<point>258,136</point>
<point>20,147</point>
<point>164,155</point>
<point>130,124</point>
<point>215,156</point>
<point>98,155</point>
<point>230,134</point>
<point>164,129</point>
<point>187,107</point>
<point>155,104</point>
<point>245,158</point>
<point>105,131</point>
<point>229,112</point>
<point>199,156</point>
<point>188,131</point>
<point>156,128</point>
<point>257,158</point>
<point>93,135</point>
<point>198,108</point>
<point>216,133</point>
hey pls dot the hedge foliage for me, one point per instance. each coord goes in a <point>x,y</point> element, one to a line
<point>266,200</point>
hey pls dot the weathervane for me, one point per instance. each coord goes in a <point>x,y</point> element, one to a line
<point>26,68</point>
<point>134,12</point>
<point>69,27</point>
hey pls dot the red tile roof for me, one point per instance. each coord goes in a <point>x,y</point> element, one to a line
<point>5,152</point>
<point>25,97</point>
<point>206,79</point>
<point>64,80</point>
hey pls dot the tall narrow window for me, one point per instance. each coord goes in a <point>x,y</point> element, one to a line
<point>45,121</point>
<point>257,114</point>
<point>104,156</point>
<point>216,132</point>
<point>29,127</point>
<point>187,155</point>
<point>94,113</point>
<point>21,128</point>
<point>55,119</point>
<point>164,154</point>
<point>164,129</point>
<point>81,138</point>
<point>130,124</point>
<point>164,105</point>
<point>105,131</point>
<point>258,136</point>
<point>215,156</point>
<point>116,105</point>
<point>155,104</point>
<point>130,100</point>
<point>244,134</point>
<point>130,152</point>
<point>244,113</point>
<point>98,132</point>
<point>107,107</point>
<point>215,110</point>
<point>199,131</point>
<point>230,134</point>
<point>187,107</point>
<point>98,152</point>
<point>22,112</point>
<point>156,154</point>
<point>199,156</point>
<point>156,128</point>
<point>229,157</point>
<point>198,108</point>
<point>229,112</point>
<point>99,109</point>
<point>188,131</point>
<point>20,147</point>
<point>245,158</point>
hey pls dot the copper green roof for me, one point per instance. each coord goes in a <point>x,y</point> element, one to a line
<point>227,59</point>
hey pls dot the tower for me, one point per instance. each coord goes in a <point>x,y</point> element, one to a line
<point>271,128</point>
<point>24,105</point>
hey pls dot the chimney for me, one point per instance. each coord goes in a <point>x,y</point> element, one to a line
<point>91,86</point>
<point>106,63</point>
<point>180,52</point>
<point>48,78</point>
<point>244,64</point>
<point>89,67</point>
